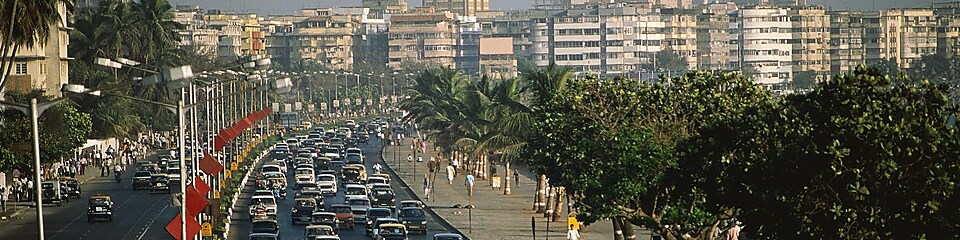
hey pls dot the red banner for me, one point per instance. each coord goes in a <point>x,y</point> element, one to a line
<point>218,143</point>
<point>196,202</point>
<point>200,185</point>
<point>193,227</point>
<point>210,165</point>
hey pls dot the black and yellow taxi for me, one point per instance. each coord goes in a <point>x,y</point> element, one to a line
<point>100,206</point>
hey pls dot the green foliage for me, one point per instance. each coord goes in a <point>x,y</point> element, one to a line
<point>804,80</point>
<point>669,60</point>
<point>62,130</point>
<point>859,157</point>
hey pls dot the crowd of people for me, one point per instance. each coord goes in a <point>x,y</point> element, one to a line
<point>103,158</point>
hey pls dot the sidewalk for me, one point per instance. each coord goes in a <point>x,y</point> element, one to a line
<point>494,216</point>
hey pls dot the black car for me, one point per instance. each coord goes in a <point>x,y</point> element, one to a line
<point>382,197</point>
<point>279,154</point>
<point>414,218</point>
<point>159,184</point>
<point>266,226</point>
<point>303,210</point>
<point>100,207</point>
<point>141,179</point>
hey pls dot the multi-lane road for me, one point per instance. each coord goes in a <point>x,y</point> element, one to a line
<point>137,215</point>
<point>241,228</point>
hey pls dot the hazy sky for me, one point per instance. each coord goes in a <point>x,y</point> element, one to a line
<point>293,6</point>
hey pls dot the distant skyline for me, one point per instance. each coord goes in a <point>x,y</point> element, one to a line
<point>274,7</point>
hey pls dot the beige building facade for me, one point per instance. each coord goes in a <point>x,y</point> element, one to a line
<point>44,66</point>
<point>459,7</point>
<point>422,37</point>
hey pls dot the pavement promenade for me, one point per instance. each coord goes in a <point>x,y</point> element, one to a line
<point>494,216</point>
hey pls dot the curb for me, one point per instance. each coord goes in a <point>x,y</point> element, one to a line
<point>443,222</point>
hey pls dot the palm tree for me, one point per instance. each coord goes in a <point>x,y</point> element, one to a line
<point>155,19</point>
<point>27,23</point>
<point>545,84</point>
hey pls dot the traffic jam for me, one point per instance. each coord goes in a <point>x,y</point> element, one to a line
<point>332,189</point>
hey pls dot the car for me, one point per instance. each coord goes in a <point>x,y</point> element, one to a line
<point>391,231</point>
<point>150,167</point>
<point>279,154</point>
<point>373,214</point>
<point>412,203</point>
<point>159,183</point>
<point>141,179</point>
<point>324,218</point>
<point>263,236</point>
<point>268,201</point>
<point>271,168</point>
<point>313,231</point>
<point>266,226</point>
<point>314,194</point>
<point>337,166</point>
<point>359,206</point>
<point>353,158</point>
<point>307,186</point>
<point>332,153</point>
<point>327,238</point>
<point>376,180</point>
<point>447,236</point>
<point>414,218</point>
<point>282,164</point>
<point>345,218</point>
<point>383,197</point>
<point>327,184</point>
<point>374,226</point>
<point>293,143</point>
<point>99,206</point>
<point>353,174</point>
<point>305,180</point>
<point>354,191</point>
<point>381,175</point>
<point>174,174</point>
<point>302,210</point>
<point>73,186</point>
<point>53,193</point>
<point>328,189</point>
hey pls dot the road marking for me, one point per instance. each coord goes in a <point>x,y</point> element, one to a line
<point>165,206</point>
<point>158,200</point>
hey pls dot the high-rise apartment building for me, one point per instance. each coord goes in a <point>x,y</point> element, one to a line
<point>327,37</point>
<point>810,43</point>
<point>241,34</point>
<point>761,43</point>
<point>43,66</point>
<point>680,33</point>
<point>713,37</point>
<point>425,36</point>
<point>459,7</point>
<point>195,32</point>
<point>848,32</point>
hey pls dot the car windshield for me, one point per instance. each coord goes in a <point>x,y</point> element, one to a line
<point>333,150</point>
<point>359,202</point>
<point>266,201</point>
<point>411,213</point>
<point>304,171</point>
<point>327,178</point>
<point>142,174</point>
<point>319,231</point>
<point>306,204</point>
<point>264,225</point>
<point>381,192</point>
<point>378,213</point>
<point>391,230</point>
<point>354,191</point>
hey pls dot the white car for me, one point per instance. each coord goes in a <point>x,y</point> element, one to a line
<point>359,207</point>
<point>268,201</point>
<point>354,150</point>
<point>271,168</point>
<point>327,183</point>
<point>376,180</point>
<point>332,153</point>
<point>282,164</point>
<point>351,191</point>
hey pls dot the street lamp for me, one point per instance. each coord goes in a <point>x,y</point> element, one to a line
<point>34,110</point>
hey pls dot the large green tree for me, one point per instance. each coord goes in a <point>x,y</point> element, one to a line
<point>611,143</point>
<point>862,156</point>
<point>62,130</point>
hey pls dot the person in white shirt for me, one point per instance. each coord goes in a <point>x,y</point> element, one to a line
<point>573,234</point>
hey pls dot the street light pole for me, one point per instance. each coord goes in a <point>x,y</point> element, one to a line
<point>34,118</point>
<point>183,181</point>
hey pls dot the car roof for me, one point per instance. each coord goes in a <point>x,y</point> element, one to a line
<point>266,220</point>
<point>379,209</point>
<point>323,213</point>
<point>447,235</point>
<point>412,208</point>
<point>319,226</point>
<point>262,196</point>
<point>388,219</point>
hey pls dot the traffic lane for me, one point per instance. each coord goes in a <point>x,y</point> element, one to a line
<point>69,220</point>
<point>372,153</point>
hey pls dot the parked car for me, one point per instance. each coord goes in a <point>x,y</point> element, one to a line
<point>52,193</point>
<point>414,218</point>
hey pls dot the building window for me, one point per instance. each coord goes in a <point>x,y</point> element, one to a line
<point>21,69</point>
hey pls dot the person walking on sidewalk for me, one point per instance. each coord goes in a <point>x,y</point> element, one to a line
<point>469,182</point>
<point>516,177</point>
<point>426,187</point>
<point>450,172</point>
<point>572,233</point>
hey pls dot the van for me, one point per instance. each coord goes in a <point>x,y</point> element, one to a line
<point>52,193</point>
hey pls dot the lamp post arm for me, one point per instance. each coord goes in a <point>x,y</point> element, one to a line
<point>168,106</point>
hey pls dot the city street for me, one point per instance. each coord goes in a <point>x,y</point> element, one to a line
<point>137,214</point>
<point>241,225</point>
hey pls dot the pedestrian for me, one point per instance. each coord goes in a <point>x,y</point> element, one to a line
<point>516,177</point>
<point>469,182</point>
<point>450,173</point>
<point>377,168</point>
<point>426,187</point>
<point>409,157</point>
<point>572,233</point>
<point>456,164</point>
<point>420,158</point>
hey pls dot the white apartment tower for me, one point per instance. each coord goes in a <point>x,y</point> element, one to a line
<point>761,43</point>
